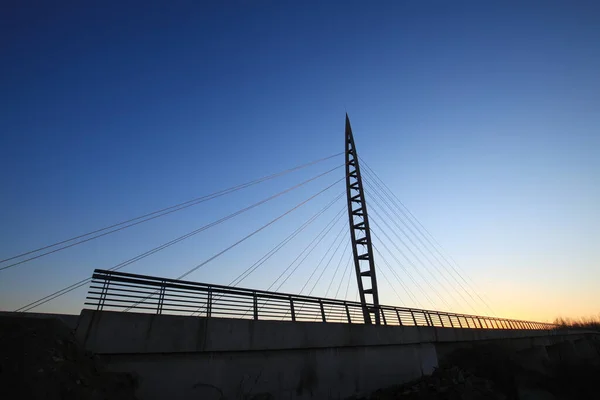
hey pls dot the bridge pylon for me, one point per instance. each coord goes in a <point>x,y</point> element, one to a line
<point>360,233</point>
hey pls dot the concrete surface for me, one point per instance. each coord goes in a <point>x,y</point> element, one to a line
<point>182,357</point>
<point>110,332</point>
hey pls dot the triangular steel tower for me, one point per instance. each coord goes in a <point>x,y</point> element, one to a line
<point>360,232</point>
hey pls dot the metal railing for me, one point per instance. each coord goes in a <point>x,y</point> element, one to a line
<point>119,291</point>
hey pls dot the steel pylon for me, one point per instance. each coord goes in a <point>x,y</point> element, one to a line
<point>360,233</point>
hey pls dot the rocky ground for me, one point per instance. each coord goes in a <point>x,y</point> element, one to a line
<point>493,372</point>
<point>40,359</point>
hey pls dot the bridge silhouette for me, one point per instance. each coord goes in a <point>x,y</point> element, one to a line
<point>397,234</point>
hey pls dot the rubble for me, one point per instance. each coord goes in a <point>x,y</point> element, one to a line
<point>451,383</point>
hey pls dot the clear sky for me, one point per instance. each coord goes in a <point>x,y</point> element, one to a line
<point>482,117</point>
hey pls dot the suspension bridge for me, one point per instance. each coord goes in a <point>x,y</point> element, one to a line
<point>369,241</point>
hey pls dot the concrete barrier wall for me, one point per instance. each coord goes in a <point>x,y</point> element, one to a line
<point>323,373</point>
<point>183,357</point>
<point>110,332</point>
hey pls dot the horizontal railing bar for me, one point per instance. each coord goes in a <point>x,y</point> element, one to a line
<point>111,286</point>
<point>152,289</point>
<point>153,281</point>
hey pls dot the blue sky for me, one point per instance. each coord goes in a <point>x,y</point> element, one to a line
<point>482,118</point>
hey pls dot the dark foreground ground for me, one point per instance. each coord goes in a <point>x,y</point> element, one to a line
<point>41,360</point>
<point>492,372</point>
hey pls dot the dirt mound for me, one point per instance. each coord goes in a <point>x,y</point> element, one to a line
<point>40,359</point>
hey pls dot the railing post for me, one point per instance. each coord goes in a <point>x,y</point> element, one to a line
<point>103,293</point>
<point>292,309</point>
<point>440,318</point>
<point>412,314</point>
<point>480,324</point>
<point>458,319</point>
<point>322,310</point>
<point>383,315</point>
<point>161,298</point>
<point>427,318</point>
<point>450,319</point>
<point>348,313</point>
<point>255,302</point>
<point>398,315</point>
<point>209,303</point>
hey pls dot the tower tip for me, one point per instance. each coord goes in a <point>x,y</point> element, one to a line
<point>348,128</point>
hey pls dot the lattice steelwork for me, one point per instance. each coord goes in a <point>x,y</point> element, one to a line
<point>360,233</point>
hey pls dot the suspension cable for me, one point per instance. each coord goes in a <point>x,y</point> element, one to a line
<point>155,214</point>
<point>83,282</point>
<point>378,194</point>
<point>433,275</point>
<point>416,269</point>
<point>281,244</point>
<point>321,261</point>
<point>306,250</point>
<point>274,250</point>
<point>324,268</point>
<point>192,270</point>
<point>422,231</point>
<point>394,273</point>
<point>336,270</point>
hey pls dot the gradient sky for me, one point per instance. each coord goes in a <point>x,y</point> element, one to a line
<point>483,118</point>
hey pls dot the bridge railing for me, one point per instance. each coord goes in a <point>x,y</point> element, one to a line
<point>119,291</point>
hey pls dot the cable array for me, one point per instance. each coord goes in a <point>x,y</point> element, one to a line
<point>179,239</point>
<point>107,230</point>
<point>401,234</point>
